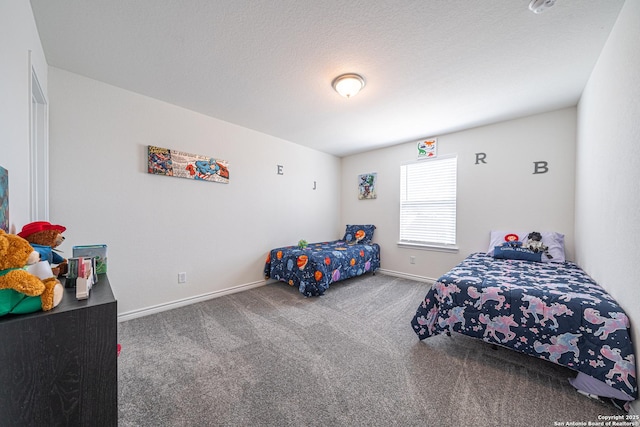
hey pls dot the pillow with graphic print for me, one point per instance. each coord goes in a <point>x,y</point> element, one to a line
<point>554,241</point>
<point>516,252</point>
<point>359,234</point>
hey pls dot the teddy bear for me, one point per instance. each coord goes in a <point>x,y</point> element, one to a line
<point>45,238</point>
<point>20,290</point>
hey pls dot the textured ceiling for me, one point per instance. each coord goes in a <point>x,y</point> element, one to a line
<point>431,66</point>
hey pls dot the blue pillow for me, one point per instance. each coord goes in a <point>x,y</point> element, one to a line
<point>359,234</point>
<point>516,252</point>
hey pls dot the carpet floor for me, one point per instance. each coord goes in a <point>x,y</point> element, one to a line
<point>271,357</point>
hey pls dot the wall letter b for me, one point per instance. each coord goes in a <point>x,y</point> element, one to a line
<point>540,167</point>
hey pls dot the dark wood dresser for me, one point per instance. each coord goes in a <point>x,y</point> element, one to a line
<point>59,368</point>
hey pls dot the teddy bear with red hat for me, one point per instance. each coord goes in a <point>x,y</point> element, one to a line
<point>45,238</point>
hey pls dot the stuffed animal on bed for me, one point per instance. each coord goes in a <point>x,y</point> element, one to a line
<point>20,290</point>
<point>534,242</point>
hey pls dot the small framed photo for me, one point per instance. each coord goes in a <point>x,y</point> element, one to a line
<point>427,148</point>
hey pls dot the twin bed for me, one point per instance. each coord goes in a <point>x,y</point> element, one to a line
<point>547,308</point>
<point>313,268</point>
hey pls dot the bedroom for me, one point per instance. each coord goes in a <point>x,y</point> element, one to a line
<point>98,134</point>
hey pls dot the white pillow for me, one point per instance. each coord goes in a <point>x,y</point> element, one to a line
<point>555,242</point>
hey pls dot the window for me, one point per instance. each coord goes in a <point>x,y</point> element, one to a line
<point>428,203</point>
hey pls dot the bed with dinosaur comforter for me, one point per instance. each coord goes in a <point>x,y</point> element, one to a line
<point>552,310</point>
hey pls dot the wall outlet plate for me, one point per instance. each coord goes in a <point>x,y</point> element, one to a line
<point>182,277</point>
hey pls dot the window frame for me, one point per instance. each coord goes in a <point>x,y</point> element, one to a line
<point>430,245</point>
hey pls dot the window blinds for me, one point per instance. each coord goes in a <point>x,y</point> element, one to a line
<point>428,202</point>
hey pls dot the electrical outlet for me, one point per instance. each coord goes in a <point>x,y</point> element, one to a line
<point>182,277</point>
<point>412,260</point>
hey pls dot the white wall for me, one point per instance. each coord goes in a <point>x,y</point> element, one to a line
<point>608,169</point>
<point>503,193</point>
<point>156,226</point>
<point>19,47</point>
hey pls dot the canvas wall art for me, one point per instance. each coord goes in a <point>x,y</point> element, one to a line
<point>427,148</point>
<point>367,186</point>
<point>164,161</point>
<point>4,199</point>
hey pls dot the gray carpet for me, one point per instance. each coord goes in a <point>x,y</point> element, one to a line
<point>270,357</point>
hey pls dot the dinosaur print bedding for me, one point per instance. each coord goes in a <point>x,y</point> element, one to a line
<point>553,311</point>
<point>315,267</point>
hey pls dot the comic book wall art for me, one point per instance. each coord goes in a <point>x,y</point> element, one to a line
<point>164,161</point>
<point>367,186</point>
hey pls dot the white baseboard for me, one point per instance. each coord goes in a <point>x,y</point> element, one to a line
<point>133,314</point>
<point>406,275</point>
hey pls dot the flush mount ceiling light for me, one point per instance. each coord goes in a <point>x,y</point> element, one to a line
<point>348,85</point>
<point>539,6</point>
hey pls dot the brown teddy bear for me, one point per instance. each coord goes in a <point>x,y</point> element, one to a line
<point>44,235</point>
<point>20,291</point>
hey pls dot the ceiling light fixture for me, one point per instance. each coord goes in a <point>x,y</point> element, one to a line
<point>348,85</point>
<point>539,6</point>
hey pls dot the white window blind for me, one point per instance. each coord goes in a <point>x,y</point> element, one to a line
<point>428,202</point>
